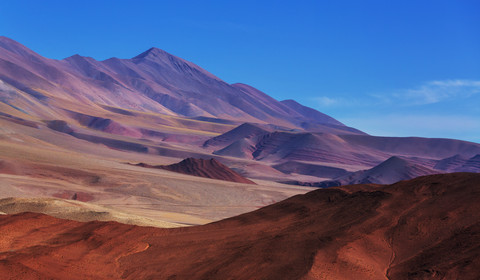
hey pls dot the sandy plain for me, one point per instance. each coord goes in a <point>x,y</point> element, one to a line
<point>39,162</point>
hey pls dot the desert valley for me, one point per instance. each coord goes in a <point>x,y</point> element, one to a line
<point>153,168</point>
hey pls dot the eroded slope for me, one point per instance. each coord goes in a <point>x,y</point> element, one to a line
<point>428,227</point>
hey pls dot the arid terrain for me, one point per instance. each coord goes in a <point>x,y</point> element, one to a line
<point>425,228</point>
<point>106,179</point>
<point>153,168</point>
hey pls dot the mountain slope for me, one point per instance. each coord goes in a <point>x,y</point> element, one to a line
<point>158,104</point>
<point>153,81</point>
<point>390,171</point>
<point>471,165</point>
<point>309,113</point>
<point>76,210</point>
<point>451,163</point>
<point>245,131</point>
<point>203,168</point>
<point>437,148</point>
<point>286,145</point>
<point>260,143</point>
<point>243,148</point>
<point>310,169</point>
<point>426,228</point>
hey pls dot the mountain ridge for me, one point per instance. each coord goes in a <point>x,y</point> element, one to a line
<point>158,104</point>
<point>153,81</point>
<point>429,224</point>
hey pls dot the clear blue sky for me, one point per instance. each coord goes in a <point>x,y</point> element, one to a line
<point>399,68</point>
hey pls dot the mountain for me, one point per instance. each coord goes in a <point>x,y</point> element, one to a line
<point>246,131</point>
<point>310,169</point>
<point>153,81</point>
<point>471,165</point>
<point>458,163</point>
<point>243,148</point>
<point>390,171</point>
<point>254,142</point>
<point>436,148</point>
<point>260,143</point>
<point>203,168</point>
<point>451,163</point>
<point>426,228</point>
<point>69,127</point>
<point>159,105</point>
<point>308,146</point>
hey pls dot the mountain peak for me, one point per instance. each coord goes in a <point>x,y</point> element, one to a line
<point>151,52</point>
<point>158,56</point>
<point>76,56</point>
<point>208,169</point>
<point>80,57</point>
<point>395,159</point>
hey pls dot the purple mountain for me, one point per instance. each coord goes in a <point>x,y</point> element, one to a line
<point>153,81</point>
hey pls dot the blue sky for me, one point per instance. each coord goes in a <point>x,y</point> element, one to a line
<point>396,68</point>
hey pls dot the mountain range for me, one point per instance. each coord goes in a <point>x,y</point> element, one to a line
<point>99,158</point>
<point>155,101</point>
<point>153,81</point>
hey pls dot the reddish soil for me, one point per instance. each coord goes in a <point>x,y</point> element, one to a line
<point>425,228</point>
<point>203,168</point>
